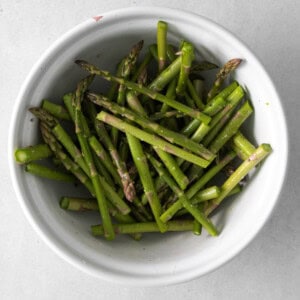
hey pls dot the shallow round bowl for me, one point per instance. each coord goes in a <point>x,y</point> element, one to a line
<point>156,259</point>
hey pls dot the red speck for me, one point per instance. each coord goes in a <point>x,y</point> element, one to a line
<point>97,18</point>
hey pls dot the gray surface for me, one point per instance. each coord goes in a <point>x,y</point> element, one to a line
<point>270,266</point>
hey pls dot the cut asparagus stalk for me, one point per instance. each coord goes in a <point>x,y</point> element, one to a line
<point>56,110</point>
<point>49,173</point>
<point>176,225</point>
<point>32,153</point>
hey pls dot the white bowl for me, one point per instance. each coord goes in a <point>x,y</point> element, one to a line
<point>156,259</point>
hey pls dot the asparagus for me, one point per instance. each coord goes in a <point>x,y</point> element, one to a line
<point>197,227</point>
<point>164,115</point>
<point>142,67</point>
<point>187,57</point>
<point>162,28</point>
<point>245,167</point>
<point>176,225</point>
<point>231,128</point>
<point>61,135</point>
<point>46,172</point>
<point>78,204</point>
<point>199,216</point>
<point>140,161</point>
<point>68,102</point>
<point>103,171</point>
<point>127,183</point>
<point>229,67</point>
<point>67,162</point>
<point>88,157</point>
<point>128,65</point>
<point>220,119</point>
<point>203,200</point>
<point>70,146</point>
<point>169,135</point>
<point>243,143</point>
<point>212,125</point>
<point>193,125</point>
<point>105,158</point>
<point>166,76</point>
<point>145,91</point>
<point>90,204</point>
<point>32,153</point>
<point>204,195</point>
<point>114,86</point>
<point>56,110</point>
<point>151,139</point>
<point>173,168</point>
<point>196,187</point>
<point>197,98</point>
<point>171,94</point>
<point>132,101</point>
<point>209,174</point>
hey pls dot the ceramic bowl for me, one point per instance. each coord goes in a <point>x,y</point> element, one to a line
<point>156,259</point>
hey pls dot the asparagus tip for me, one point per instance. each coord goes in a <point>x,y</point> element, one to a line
<point>129,191</point>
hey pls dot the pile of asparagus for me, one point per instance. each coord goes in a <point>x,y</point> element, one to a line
<point>150,149</point>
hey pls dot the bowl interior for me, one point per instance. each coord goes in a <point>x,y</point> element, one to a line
<point>156,259</point>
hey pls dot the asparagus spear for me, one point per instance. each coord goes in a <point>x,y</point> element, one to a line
<point>173,168</point>
<point>221,118</point>
<point>161,36</point>
<point>128,65</point>
<point>132,101</point>
<point>88,157</point>
<point>187,57</point>
<point>142,67</point>
<point>197,98</point>
<point>176,225</point>
<point>166,76</point>
<point>171,94</point>
<point>231,128</point>
<point>145,91</point>
<point>56,110</point>
<point>151,139</point>
<point>165,115</point>
<point>78,204</point>
<point>140,161</point>
<point>229,67</point>
<point>243,143</point>
<point>46,172</point>
<point>32,153</point>
<point>105,158</point>
<point>127,183</point>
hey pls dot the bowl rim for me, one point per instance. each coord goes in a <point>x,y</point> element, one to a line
<point>159,12</point>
